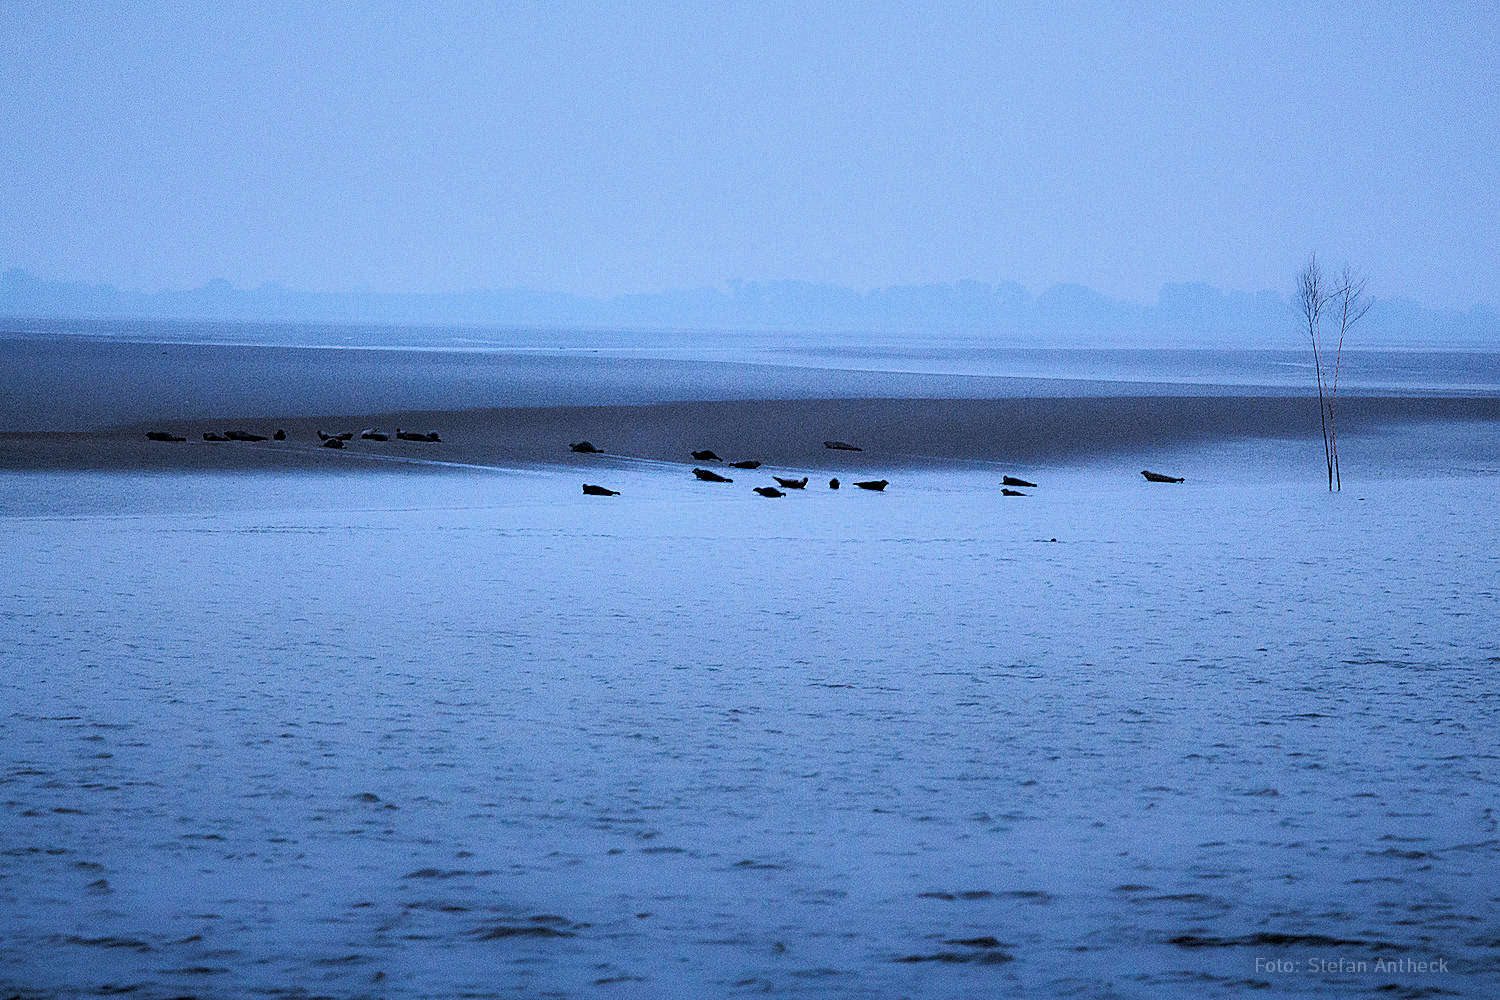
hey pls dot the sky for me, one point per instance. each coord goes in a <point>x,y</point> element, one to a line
<point>602,149</point>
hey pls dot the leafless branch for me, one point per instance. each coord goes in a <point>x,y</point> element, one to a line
<point>1351,304</point>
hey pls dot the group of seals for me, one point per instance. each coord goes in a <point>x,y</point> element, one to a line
<point>710,476</point>
<point>328,440</point>
<point>371,434</point>
<point>280,435</point>
<point>874,485</point>
<point>799,484</point>
<point>708,455</point>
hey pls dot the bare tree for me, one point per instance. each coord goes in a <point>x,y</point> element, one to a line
<point>1349,304</point>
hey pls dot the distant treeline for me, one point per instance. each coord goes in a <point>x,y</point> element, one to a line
<point>1184,314</point>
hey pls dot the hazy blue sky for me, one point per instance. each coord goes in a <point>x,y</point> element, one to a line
<point>599,149</point>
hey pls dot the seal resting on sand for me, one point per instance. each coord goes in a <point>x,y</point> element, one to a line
<point>1157,477</point>
<point>325,437</point>
<point>585,448</point>
<point>211,436</point>
<point>280,435</point>
<point>874,484</point>
<point>833,484</point>
<point>243,436</point>
<point>599,491</point>
<point>769,491</point>
<point>1013,481</point>
<point>706,456</point>
<point>1012,493</point>
<point>371,434</point>
<point>431,437</point>
<point>841,446</point>
<point>708,476</point>
<point>744,465</point>
<point>162,436</point>
<point>792,484</point>
<point>333,442</point>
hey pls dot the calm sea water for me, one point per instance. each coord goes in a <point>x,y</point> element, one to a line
<point>479,735</point>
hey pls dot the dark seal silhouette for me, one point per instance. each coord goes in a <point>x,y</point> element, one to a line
<point>841,446</point>
<point>706,456</point>
<point>874,484</point>
<point>585,448</point>
<point>744,465</point>
<point>371,434</point>
<point>833,484</point>
<point>243,436</point>
<point>431,437</point>
<point>324,436</point>
<point>1157,477</point>
<point>792,484</point>
<point>280,435</point>
<point>211,436</point>
<point>769,491</point>
<point>1013,493</point>
<point>162,436</point>
<point>599,491</point>
<point>333,442</point>
<point>1013,481</point>
<point>709,476</point>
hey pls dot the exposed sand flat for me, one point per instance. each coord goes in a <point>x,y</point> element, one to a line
<point>893,433</point>
<point>69,403</point>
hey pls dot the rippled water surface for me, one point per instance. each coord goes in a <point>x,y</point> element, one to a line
<point>475,734</point>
